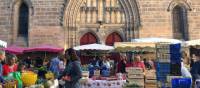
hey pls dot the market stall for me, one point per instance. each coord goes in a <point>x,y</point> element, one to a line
<point>90,51</point>
<point>157,40</point>
<point>97,76</point>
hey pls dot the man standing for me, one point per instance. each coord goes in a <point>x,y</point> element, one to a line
<point>195,70</point>
<point>2,57</point>
<point>54,66</point>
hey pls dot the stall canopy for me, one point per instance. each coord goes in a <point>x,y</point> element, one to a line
<point>134,46</point>
<point>45,48</point>
<point>192,42</point>
<point>94,47</point>
<point>3,43</point>
<point>157,40</point>
<point>14,49</point>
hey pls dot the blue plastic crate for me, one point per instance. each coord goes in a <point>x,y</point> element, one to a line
<point>162,67</point>
<point>162,73</point>
<point>175,58</point>
<point>181,83</point>
<point>175,48</point>
<point>163,70</point>
<point>161,64</point>
<point>161,78</point>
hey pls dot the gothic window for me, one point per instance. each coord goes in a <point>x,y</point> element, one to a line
<point>112,38</point>
<point>23,20</point>
<point>88,38</point>
<point>180,30</point>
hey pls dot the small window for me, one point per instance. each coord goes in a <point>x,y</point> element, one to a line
<point>23,20</point>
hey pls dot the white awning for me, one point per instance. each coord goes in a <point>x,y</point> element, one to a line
<point>94,47</point>
<point>157,40</point>
<point>192,42</point>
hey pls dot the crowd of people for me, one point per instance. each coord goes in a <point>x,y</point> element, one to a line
<point>104,63</point>
<point>67,69</point>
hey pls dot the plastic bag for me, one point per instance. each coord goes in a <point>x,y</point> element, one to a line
<point>17,76</point>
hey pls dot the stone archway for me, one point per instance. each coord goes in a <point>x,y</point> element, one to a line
<point>72,23</point>
<point>112,38</point>
<point>88,38</point>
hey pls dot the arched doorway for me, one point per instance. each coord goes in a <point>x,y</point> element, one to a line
<point>112,38</point>
<point>88,38</point>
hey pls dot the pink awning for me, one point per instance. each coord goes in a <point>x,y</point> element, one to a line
<point>46,48</point>
<point>14,49</point>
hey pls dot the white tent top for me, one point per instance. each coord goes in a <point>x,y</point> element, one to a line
<point>193,42</point>
<point>94,47</point>
<point>157,40</point>
<point>3,43</point>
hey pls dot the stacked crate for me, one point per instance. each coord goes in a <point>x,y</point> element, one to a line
<point>135,76</point>
<point>168,61</point>
<point>150,79</point>
<point>163,52</point>
<point>162,71</point>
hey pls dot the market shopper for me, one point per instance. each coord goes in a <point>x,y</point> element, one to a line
<point>10,65</point>
<point>106,62</point>
<point>2,57</point>
<point>195,70</point>
<point>54,65</point>
<point>184,70</point>
<point>121,66</point>
<point>28,61</point>
<point>72,73</point>
<point>137,63</point>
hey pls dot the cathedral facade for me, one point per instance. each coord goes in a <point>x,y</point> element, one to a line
<point>68,23</point>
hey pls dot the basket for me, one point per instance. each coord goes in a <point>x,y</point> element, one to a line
<point>10,84</point>
<point>29,78</point>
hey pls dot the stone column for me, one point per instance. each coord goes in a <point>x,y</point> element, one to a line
<point>113,3</point>
<point>83,16</point>
<point>123,17</point>
<point>94,13</point>
<point>112,16</point>
<point>88,11</point>
<point>118,17</point>
<point>100,10</point>
<point>108,2</point>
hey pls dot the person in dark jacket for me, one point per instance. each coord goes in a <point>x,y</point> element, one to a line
<point>195,70</point>
<point>121,66</point>
<point>72,73</point>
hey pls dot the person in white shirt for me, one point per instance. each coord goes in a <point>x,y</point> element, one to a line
<point>106,62</point>
<point>184,71</point>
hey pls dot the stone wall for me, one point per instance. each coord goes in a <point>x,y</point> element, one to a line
<point>45,24</point>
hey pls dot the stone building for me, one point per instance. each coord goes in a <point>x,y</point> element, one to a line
<point>76,22</point>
